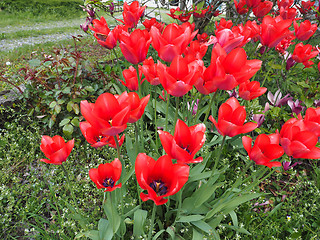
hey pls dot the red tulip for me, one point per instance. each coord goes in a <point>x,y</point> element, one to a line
<point>105,37</point>
<point>297,141</point>
<point>134,46</point>
<point>262,9</point>
<point>229,70</point>
<point>196,51</point>
<point>185,142</point>
<point>222,24</point>
<point>305,6</point>
<point>96,138</point>
<point>107,114</point>
<point>303,53</point>
<point>265,149</point>
<point>241,6</point>
<point>312,120</point>
<point>179,78</point>
<point>200,13</point>
<point>183,16</point>
<point>206,83</point>
<point>288,13</point>
<point>273,30</point>
<point>132,13</point>
<point>149,70</point>
<point>55,149</point>
<point>131,77</point>
<point>251,90</point>
<point>231,118</point>
<point>229,40</point>
<point>252,3</point>
<point>153,22</point>
<point>160,178</point>
<point>173,41</point>
<point>107,175</point>
<point>136,104</point>
<point>305,30</point>
<point>284,3</point>
<point>285,43</point>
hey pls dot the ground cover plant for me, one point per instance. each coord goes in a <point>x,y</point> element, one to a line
<point>175,134</point>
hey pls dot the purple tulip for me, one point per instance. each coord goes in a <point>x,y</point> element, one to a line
<point>287,165</point>
<point>295,106</point>
<point>290,63</point>
<point>276,99</point>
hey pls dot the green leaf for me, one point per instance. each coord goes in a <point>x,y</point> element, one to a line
<point>234,218</point>
<point>237,229</point>
<point>113,216</point>
<point>61,101</point>
<point>89,88</point>
<point>171,232</point>
<point>157,235</point>
<point>66,90</point>
<point>34,62</point>
<point>64,122</point>
<point>202,225</point>
<point>69,106</point>
<point>196,235</point>
<point>52,104</point>
<point>75,108</point>
<point>200,5</point>
<point>139,218</point>
<point>67,129</point>
<point>190,218</point>
<point>75,121</point>
<point>57,108</point>
<point>51,122</point>
<point>92,234</point>
<point>205,192</point>
<point>105,230</point>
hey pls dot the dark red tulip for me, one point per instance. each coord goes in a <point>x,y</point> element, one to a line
<point>107,114</point>
<point>265,149</point>
<point>185,142</point>
<point>56,149</point>
<point>96,138</point>
<point>160,178</point>
<point>231,118</point>
<point>241,6</point>
<point>107,175</point>
<point>262,9</point>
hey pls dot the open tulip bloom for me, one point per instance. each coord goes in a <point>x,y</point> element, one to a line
<point>160,178</point>
<point>185,142</point>
<point>265,149</point>
<point>231,118</point>
<point>56,149</point>
<point>107,175</point>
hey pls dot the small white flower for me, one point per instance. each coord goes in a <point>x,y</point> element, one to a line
<point>8,63</point>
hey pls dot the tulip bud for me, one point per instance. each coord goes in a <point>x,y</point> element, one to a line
<point>290,63</point>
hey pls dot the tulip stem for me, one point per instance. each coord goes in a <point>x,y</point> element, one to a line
<point>219,153</point>
<point>136,66</point>
<point>70,189</point>
<point>210,105</point>
<point>119,157</point>
<point>152,221</point>
<point>115,53</point>
<point>168,101</point>
<point>197,112</point>
<point>176,113</point>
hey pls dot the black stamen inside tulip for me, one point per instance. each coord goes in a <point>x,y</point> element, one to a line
<point>99,138</point>
<point>108,182</point>
<point>187,149</point>
<point>159,187</point>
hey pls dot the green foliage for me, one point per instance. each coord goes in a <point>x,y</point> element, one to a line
<point>62,8</point>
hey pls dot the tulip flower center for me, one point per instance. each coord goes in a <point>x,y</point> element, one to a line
<point>108,182</point>
<point>159,187</point>
<point>102,37</point>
